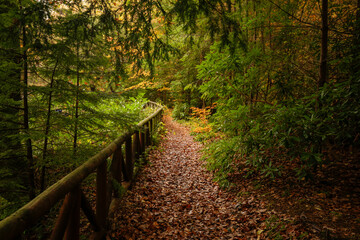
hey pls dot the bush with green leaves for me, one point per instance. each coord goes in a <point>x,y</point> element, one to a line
<point>181,111</point>
<point>273,116</point>
<point>268,137</point>
<point>220,156</point>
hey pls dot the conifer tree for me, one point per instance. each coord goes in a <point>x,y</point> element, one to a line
<point>50,53</point>
<point>12,156</point>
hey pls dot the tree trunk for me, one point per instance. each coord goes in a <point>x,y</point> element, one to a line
<point>323,78</point>
<point>12,159</point>
<point>77,97</point>
<point>357,25</point>
<point>47,130</point>
<point>247,19</point>
<point>270,29</point>
<point>355,65</point>
<point>255,28</point>
<point>29,152</point>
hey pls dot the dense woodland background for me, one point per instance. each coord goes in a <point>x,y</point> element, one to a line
<point>270,86</point>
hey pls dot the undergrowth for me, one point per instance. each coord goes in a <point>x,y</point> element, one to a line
<point>267,139</point>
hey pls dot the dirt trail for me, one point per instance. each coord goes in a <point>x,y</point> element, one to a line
<point>175,197</point>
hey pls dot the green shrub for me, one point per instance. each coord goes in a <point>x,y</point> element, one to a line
<point>267,137</point>
<point>181,111</point>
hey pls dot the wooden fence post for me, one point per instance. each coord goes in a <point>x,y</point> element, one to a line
<point>129,158</point>
<point>73,224</point>
<point>88,211</point>
<point>136,145</point>
<point>101,201</point>
<point>147,134</point>
<point>151,130</point>
<point>116,167</point>
<point>142,140</point>
<point>62,220</point>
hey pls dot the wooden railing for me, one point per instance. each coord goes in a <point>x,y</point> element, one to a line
<point>121,171</point>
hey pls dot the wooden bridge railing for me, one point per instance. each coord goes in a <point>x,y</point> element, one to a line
<point>120,173</point>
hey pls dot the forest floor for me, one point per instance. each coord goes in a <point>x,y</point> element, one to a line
<point>175,198</point>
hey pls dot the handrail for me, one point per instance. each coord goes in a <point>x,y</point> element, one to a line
<point>121,170</point>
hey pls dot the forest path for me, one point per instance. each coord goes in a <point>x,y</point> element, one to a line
<point>175,198</point>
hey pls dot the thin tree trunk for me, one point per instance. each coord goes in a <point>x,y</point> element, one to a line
<point>47,130</point>
<point>247,19</point>
<point>262,38</point>
<point>268,85</point>
<point>255,28</point>
<point>29,152</point>
<point>323,78</point>
<point>357,25</point>
<point>270,35</point>
<point>77,98</point>
<point>355,65</point>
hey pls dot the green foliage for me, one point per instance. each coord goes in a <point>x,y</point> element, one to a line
<point>292,130</point>
<point>118,188</point>
<point>159,133</point>
<point>73,54</point>
<point>13,165</point>
<point>268,103</point>
<point>220,157</point>
<point>102,118</point>
<point>204,137</point>
<point>181,111</point>
<point>269,137</point>
<point>274,228</point>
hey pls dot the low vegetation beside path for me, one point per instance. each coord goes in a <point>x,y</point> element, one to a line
<point>323,206</point>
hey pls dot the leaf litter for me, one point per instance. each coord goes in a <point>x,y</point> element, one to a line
<point>174,197</point>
